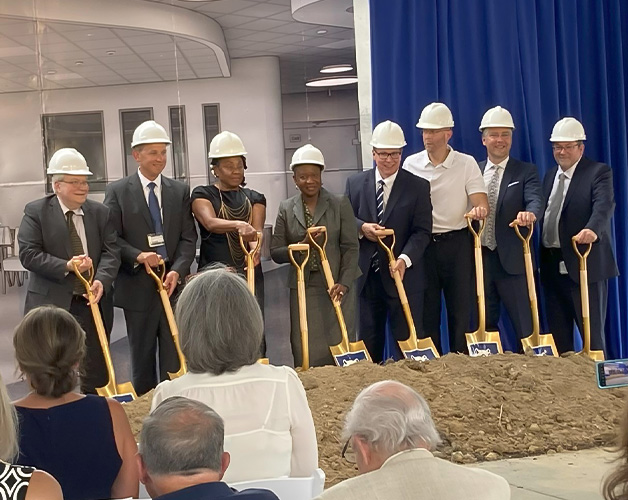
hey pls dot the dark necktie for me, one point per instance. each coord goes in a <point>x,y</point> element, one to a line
<point>155,215</point>
<point>550,230</point>
<point>379,202</point>
<point>77,249</point>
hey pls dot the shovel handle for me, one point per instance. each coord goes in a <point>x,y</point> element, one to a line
<point>383,233</point>
<point>524,239</point>
<point>159,279</point>
<point>320,248</point>
<point>476,234</point>
<point>250,259</point>
<point>582,257</point>
<point>302,247</point>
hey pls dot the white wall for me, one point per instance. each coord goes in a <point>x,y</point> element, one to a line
<point>250,105</point>
<point>318,106</point>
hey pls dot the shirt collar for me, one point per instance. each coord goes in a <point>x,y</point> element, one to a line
<point>405,454</point>
<point>568,173</point>
<point>502,164</point>
<point>388,181</point>
<point>448,163</point>
<point>145,182</point>
<point>65,210</point>
<point>216,490</point>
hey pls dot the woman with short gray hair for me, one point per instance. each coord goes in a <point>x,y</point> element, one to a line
<point>269,431</point>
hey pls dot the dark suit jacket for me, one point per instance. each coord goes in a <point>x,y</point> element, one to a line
<point>520,190</point>
<point>134,288</point>
<point>589,204</point>
<point>408,212</point>
<point>333,212</point>
<point>45,249</point>
<point>217,491</point>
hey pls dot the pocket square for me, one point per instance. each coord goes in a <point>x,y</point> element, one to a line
<point>513,183</point>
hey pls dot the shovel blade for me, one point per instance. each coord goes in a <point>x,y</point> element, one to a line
<point>487,344</point>
<point>594,355</point>
<point>424,350</point>
<point>357,352</point>
<point>544,345</point>
<point>177,374</point>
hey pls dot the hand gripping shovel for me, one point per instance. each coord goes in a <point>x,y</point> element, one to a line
<point>346,353</point>
<point>250,259</point>
<point>123,392</point>
<point>481,342</point>
<point>305,347</point>
<point>541,345</point>
<point>584,298</point>
<point>174,331</point>
<point>413,348</point>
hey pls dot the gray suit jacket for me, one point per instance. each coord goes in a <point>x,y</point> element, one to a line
<point>416,474</point>
<point>134,288</point>
<point>45,249</point>
<point>333,212</point>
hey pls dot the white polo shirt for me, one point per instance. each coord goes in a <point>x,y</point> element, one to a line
<point>451,183</point>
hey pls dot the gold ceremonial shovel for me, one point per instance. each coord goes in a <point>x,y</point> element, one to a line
<point>346,353</point>
<point>584,298</point>
<point>305,347</point>
<point>174,331</point>
<point>413,348</point>
<point>123,392</point>
<point>250,259</point>
<point>481,342</point>
<point>541,345</point>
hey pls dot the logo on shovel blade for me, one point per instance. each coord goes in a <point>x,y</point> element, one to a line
<point>543,350</point>
<point>483,349</point>
<point>351,358</point>
<point>419,354</point>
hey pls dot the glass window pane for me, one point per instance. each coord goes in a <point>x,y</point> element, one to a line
<point>179,142</point>
<point>129,121</point>
<point>211,118</point>
<point>83,132</point>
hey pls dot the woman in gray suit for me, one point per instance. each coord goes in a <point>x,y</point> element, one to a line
<point>315,206</point>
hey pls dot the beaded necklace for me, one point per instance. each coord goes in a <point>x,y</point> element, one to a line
<point>243,213</point>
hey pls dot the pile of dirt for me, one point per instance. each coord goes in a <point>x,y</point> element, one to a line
<point>484,408</point>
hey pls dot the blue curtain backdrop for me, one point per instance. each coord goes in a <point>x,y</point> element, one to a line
<point>541,59</point>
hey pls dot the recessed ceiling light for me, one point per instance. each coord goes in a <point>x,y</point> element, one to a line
<point>111,52</point>
<point>51,72</point>
<point>78,63</point>
<point>332,81</point>
<point>336,68</point>
<point>90,34</point>
<point>321,32</point>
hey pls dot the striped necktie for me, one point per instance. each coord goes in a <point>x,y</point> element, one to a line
<point>77,249</point>
<point>155,215</point>
<point>379,202</point>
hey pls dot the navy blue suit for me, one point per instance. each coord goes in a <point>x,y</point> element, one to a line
<point>217,491</point>
<point>409,212</point>
<point>504,269</point>
<point>589,204</point>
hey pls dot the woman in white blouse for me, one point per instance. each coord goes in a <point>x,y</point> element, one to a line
<point>269,431</point>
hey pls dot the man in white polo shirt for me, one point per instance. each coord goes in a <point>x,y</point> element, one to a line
<point>457,188</point>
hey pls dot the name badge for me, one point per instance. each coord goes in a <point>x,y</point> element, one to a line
<point>155,240</point>
<point>562,268</point>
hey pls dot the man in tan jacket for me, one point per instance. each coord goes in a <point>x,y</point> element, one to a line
<point>390,432</point>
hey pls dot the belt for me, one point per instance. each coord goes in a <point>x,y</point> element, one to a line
<point>436,237</point>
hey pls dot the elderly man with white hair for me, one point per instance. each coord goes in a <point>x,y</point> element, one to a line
<point>390,433</point>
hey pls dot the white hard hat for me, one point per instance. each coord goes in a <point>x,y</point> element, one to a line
<point>435,116</point>
<point>497,117</point>
<point>568,129</point>
<point>308,155</point>
<point>150,132</point>
<point>388,135</point>
<point>226,144</point>
<point>68,161</point>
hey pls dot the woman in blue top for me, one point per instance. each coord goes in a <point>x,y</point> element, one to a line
<point>85,442</point>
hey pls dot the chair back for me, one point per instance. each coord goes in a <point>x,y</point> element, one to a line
<point>289,488</point>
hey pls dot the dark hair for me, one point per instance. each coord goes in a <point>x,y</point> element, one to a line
<point>49,344</point>
<point>216,161</point>
<point>615,485</point>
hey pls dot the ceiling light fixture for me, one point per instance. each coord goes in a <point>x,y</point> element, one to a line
<point>51,72</point>
<point>332,81</point>
<point>321,32</point>
<point>111,52</point>
<point>336,68</point>
<point>78,63</point>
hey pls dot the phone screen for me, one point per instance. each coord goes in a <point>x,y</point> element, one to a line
<point>612,373</point>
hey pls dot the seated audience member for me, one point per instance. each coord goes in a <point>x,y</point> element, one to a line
<point>615,485</point>
<point>85,442</point>
<point>18,482</point>
<point>182,457</point>
<point>269,431</point>
<point>390,432</point>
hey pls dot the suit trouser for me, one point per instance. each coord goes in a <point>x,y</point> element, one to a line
<point>511,289</point>
<point>563,304</point>
<point>147,330</point>
<point>376,306</point>
<point>449,268</point>
<point>93,369</point>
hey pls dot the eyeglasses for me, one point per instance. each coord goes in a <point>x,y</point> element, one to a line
<point>347,452</point>
<point>383,155</point>
<point>557,148</point>
<point>76,184</point>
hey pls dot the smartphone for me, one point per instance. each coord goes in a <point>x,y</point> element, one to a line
<point>612,373</point>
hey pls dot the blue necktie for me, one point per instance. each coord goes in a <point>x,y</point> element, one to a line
<point>379,202</point>
<point>155,214</point>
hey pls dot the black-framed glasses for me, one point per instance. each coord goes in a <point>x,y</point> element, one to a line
<point>383,155</point>
<point>76,184</point>
<point>347,452</point>
<point>557,148</point>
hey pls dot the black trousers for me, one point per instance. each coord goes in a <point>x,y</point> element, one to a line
<point>509,289</point>
<point>376,306</point>
<point>449,269</point>
<point>149,333</point>
<point>93,369</point>
<point>564,307</point>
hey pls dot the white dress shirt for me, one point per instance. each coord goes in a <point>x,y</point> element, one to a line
<point>489,169</point>
<point>77,218</point>
<point>269,430</point>
<point>451,183</point>
<point>568,176</point>
<point>145,182</point>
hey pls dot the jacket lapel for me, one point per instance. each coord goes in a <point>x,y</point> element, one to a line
<point>137,194</point>
<point>57,214</point>
<point>395,195</point>
<point>297,210</point>
<point>167,202</point>
<point>575,181</point>
<point>509,173</point>
<point>547,186</point>
<point>482,166</point>
<point>321,206</point>
<point>91,232</point>
<point>369,190</point>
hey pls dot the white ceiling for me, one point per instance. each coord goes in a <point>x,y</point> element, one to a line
<point>36,55</point>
